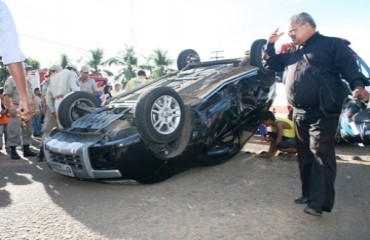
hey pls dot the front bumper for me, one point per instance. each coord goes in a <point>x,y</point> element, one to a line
<point>84,155</point>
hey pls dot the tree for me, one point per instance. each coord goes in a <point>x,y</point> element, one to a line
<point>96,60</point>
<point>128,61</point>
<point>4,74</point>
<point>161,63</point>
<point>64,60</point>
<point>33,63</point>
<point>147,64</point>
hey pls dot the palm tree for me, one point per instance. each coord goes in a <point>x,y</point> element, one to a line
<point>161,63</point>
<point>128,61</point>
<point>33,63</point>
<point>147,64</point>
<point>64,60</point>
<point>96,60</point>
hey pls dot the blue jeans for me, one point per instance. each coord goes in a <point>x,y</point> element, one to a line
<point>3,132</point>
<point>36,126</point>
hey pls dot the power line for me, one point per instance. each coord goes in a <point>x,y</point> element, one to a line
<point>61,44</point>
<point>53,42</point>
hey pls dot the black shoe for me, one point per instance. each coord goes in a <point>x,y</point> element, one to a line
<point>27,152</point>
<point>310,209</point>
<point>301,200</point>
<point>13,154</point>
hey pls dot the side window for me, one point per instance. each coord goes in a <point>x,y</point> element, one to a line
<point>363,67</point>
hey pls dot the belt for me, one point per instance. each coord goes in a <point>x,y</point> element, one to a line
<point>307,108</point>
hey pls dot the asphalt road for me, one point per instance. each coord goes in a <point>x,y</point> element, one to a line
<point>245,198</point>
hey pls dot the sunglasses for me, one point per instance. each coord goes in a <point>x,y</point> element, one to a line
<point>294,30</point>
<point>71,68</point>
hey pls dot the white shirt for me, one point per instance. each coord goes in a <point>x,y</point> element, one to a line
<point>116,93</point>
<point>89,85</point>
<point>9,42</point>
<point>60,85</point>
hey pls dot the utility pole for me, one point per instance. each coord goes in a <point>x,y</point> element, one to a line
<point>217,54</point>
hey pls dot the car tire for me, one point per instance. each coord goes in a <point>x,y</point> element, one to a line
<point>69,110</point>
<point>159,115</point>
<point>185,57</point>
<point>256,55</point>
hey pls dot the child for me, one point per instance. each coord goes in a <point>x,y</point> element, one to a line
<point>4,120</point>
<point>281,136</point>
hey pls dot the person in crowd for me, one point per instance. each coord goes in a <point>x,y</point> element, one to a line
<point>290,113</point>
<point>117,90</point>
<point>135,82</point>
<point>4,120</point>
<point>61,84</point>
<point>87,84</point>
<point>99,95</point>
<point>36,127</point>
<point>50,121</point>
<point>281,135</point>
<point>13,58</point>
<point>106,94</point>
<point>314,130</point>
<point>16,127</point>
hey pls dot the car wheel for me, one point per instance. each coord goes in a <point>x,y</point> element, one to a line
<point>160,115</point>
<point>187,56</point>
<point>72,107</point>
<point>256,55</point>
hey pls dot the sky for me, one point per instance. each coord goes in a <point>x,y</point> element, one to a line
<point>48,28</point>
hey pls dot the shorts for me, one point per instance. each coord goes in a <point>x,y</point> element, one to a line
<point>285,142</point>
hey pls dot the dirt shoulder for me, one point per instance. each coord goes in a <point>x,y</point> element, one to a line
<point>244,198</point>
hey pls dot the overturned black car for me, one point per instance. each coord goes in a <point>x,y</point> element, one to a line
<point>201,114</point>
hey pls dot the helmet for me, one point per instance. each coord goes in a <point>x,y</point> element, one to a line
<point>354,122</point>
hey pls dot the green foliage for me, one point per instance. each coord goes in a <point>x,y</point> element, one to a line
<point>35,64</point>
<point>4,74</point>
<point>97,56</point>
<point>64,60</point>
<point>160,58</point>
<point>126,62</point>
<point>161,63</point>
<point>157,73</point>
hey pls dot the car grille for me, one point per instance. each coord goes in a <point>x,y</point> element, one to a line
<point>74,161</point>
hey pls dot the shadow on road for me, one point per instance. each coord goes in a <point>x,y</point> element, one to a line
<point>245,198</point>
